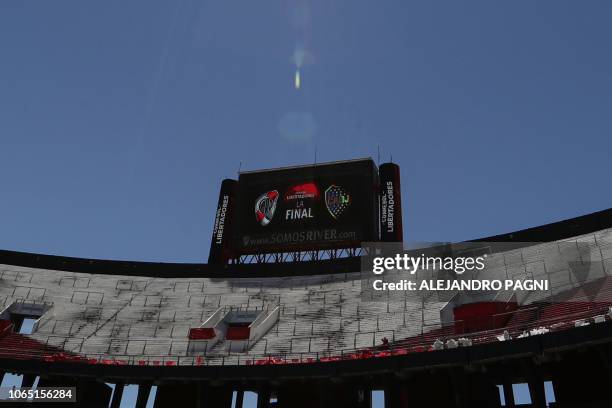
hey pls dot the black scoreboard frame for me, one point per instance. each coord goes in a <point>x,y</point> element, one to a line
<point>331,207</point>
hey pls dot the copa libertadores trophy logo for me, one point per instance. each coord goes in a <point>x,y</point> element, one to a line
<point>337,200</point>
<point>265,205</point>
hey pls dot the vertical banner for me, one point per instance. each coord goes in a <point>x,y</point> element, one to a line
<point>390,203</point>
<point>220,245</point>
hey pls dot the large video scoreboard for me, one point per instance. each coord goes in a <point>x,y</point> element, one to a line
<point>301,208</point>
<point>307,207</point>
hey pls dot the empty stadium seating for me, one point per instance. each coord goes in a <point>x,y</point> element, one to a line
<point>143,320</point>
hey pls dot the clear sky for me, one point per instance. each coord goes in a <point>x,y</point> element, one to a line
<point>119,119</point>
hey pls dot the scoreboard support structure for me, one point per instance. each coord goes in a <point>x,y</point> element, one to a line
<point>302,256</point>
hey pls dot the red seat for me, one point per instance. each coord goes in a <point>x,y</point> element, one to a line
<point>5,327</point>
<point>202,333</point>
<point>238,333</point>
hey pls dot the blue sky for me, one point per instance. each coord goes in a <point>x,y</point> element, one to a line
<point>118,119</point>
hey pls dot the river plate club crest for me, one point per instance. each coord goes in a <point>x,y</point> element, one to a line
<point>265,205</point>
<point>337,200</point>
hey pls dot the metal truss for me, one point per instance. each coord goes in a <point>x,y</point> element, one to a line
<point>299,256</point>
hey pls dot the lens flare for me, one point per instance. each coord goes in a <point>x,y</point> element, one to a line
<point>298,57</point>
<point>301,57</point>
<point>298,80</point>
<point>297,127</point>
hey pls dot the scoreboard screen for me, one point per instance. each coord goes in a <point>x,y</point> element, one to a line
<point>306,207</point>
